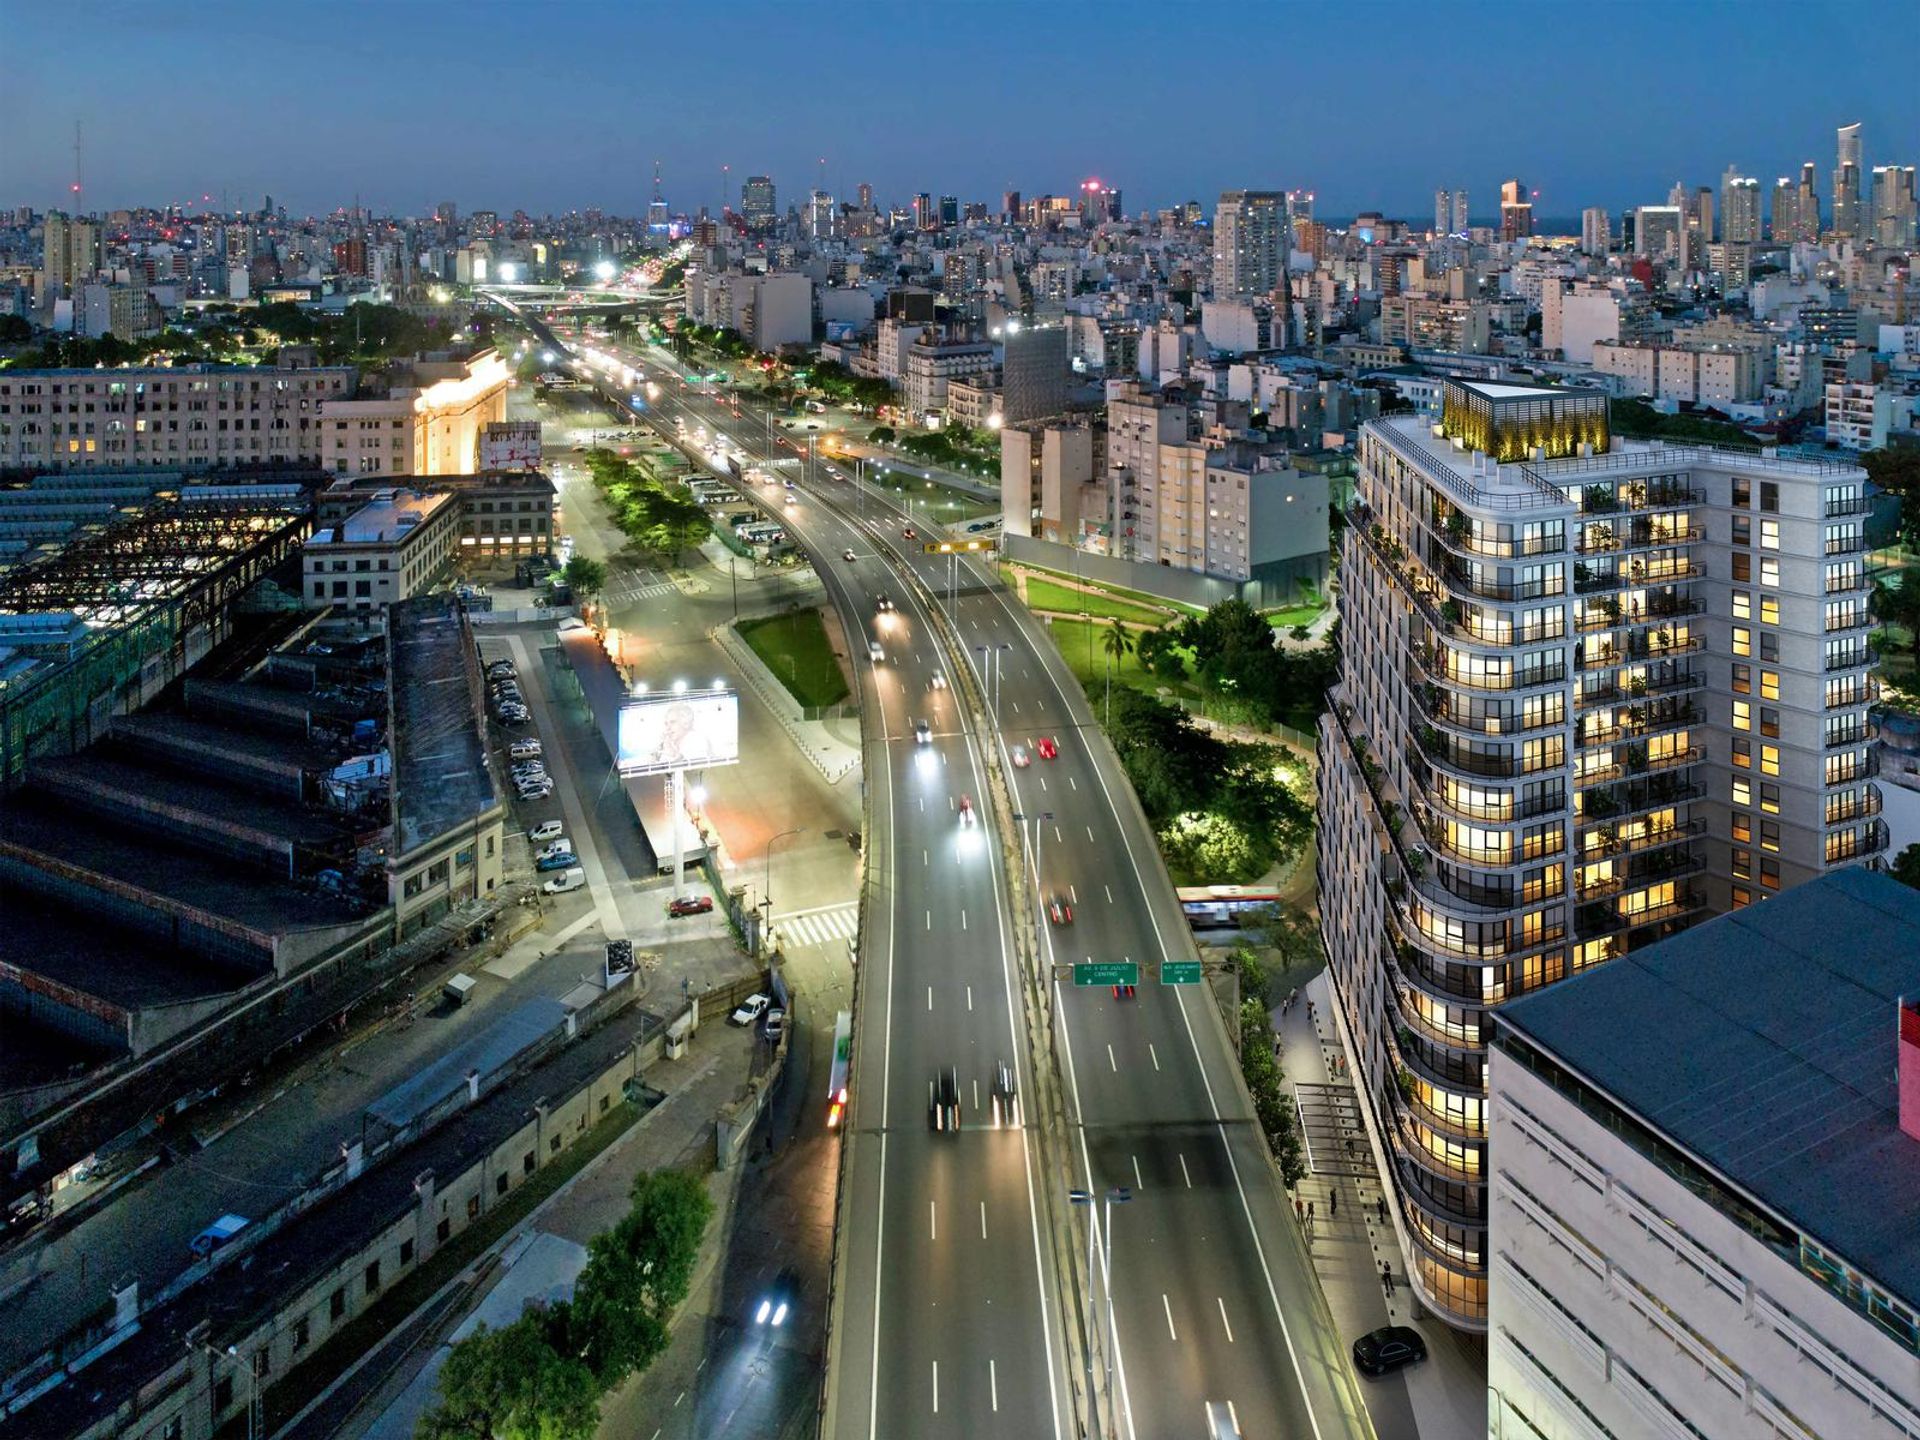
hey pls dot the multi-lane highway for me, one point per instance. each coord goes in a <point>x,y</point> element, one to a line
<point>949,1322</point>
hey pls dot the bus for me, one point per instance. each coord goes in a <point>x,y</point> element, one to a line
<point>842,1060</point>
<point>1221,907</point>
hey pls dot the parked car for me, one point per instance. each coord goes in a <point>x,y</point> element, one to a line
<point>562,846</point>
<point>559,860</point>
<point>217,1234</point>
<point>1379,1352</point>
<point>566,880</point>
<point>525,750</point>
<point>690,905</point>
<point>774,1023</point>
<point>748,1010</point>
<point>546,830</point>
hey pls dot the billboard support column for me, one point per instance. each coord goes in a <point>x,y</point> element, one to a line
<point>677,807</point>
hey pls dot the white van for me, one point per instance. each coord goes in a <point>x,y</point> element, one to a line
<point>572,878</point>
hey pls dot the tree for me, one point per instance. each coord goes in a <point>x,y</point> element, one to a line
<point>1294,935</point>
<point>882,435</point>
<point>1897,472</point>
<point>584,576</point>
<point>1118,644</point>
<point>1906,866</point>
<point>509,1384</point>
<point>1208,849</point>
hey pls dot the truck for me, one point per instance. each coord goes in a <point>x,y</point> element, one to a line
<point>459,989</point>
<point>217,1235</point>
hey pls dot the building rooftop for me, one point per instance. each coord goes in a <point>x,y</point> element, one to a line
<point>1763,1044</point>
<point>440,773</point>
<point>385,519</point>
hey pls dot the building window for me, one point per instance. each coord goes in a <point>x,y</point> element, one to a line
<point>1769,798</point>
<point>1743,715</point>
<point>373,1276</point>
<point>1742,492</point>
<point>1742,897</point>
<point>1742,530</point>
<point>444,1230</point>
<point>223,1394</point>
<point>500,1183</point>
<point>1770,643</point>
<point>1770,577</point>
<point>1742,674</point>
<point>1769,684</point>
<point>1742,641</point>
<point>1742,566</point>
<point>1742,864</point>
<point>337,1303</point>
<point>1770,874</point>
<point>1769,534</point>
<point>1770,495</point>
<point>1769,759</point>
<point>1769,722</point>
<point>302,1332</point>
<point>1742,791</point>
<point>406,1252</point>
<point>1742,753</point>
<point>1743,604</point>
<point>1770,835</point>
<point>1743,827</point>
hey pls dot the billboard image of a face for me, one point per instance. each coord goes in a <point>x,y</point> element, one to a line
<point>679,732</point>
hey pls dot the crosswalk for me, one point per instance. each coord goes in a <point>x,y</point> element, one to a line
<point>818,927</point>
<point>629,594</point>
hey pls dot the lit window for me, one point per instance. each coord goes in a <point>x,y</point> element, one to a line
<point>1743,864</point>
<point>1742,753</point>
<point>1769,759</point>
<point>1769,538</point>
<point>1742,640</point>
<point>1742,791</point>
<point>1743,604</point>
<point>1770,609</point>
<point>1770,575</point>
<point>1742,897</point>
<point>1743,715</point>
<point>1743,826</point>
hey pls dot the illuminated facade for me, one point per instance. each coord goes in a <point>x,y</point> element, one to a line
<point>1585,700</point>
<point>430,423</point>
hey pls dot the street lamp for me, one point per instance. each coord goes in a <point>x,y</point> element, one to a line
<point>767,899</point>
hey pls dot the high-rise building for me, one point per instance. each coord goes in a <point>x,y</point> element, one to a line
<point>1893,207</point>
<point>1010,205</point>
<point>1449,212</point>
<point>1697,1205</point>
<point>1459,212</point>
<point>1739,208</point>
<point>1299,206</point>
<point>1660,232</point>
<point>923,211</point>
<point>1036,371</point>
<point>1590,692</point>
<point>1250,242</point>
<point>1786,211</point>
<point>864,195</point>
<point>822,216</point>
<point>70,253</point>
<point>949,211</point>
<point>1596,233</point>
<point>757,203</point>
<point>1516,211</point>
<point>1846,182</point>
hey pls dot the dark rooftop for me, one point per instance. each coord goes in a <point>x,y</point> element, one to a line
<point>440,772</point>
<point>1763,1043</point>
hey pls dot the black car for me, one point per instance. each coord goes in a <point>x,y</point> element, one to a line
<point>774,1306</point>
<point>943,1101</point>
<point>1382,1351</point>
<point>1006,1095</point>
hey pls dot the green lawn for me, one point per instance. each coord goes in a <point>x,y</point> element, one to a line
<point>1294,615</point>
<point>1117,592</point>
<point>795,649</point>
<point>1074,637</point>
<point>1046,595</point>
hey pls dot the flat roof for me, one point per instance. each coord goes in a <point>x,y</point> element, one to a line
<point>1491,391</point>
<point>385,520</point>
<point>1763,1043</point>
<point>440,773</point>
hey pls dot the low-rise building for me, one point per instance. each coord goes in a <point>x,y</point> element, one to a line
<point>934,361</point>
<point>392,548</point>
<point>1713,375</point>
<point>1707,1156</point>
<point>1859,414</point>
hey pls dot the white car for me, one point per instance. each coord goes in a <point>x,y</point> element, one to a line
<point>561,846</point>
<point>525,750</point>
<point>1020,759</point>
<point>546,830</point>
<point>749,1009</point>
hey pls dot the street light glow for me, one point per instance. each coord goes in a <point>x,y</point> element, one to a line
<point>604,270</point>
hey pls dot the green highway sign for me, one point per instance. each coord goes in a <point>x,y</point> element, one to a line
<point>1179,972</point>
<point>1107,972</point>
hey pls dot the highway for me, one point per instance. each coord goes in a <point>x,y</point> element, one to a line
<point>1212,1299</point>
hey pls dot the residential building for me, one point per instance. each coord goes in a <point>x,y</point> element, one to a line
<point>767,310</point>
<point>1596,232</point>
<point>1576,315</point>
<point>1449,212</point>
<point>1712,375</point>
<point>1461,327</point>
<point>932,361</point>
<point>1250,243</point>
<point>1847,175</point>
<point>1585,699</point>
<point>1660,232</point>
<point>1858,414</point>
<point>1894,211</point>
<point>1516,211</point>
<point>1707,1157</point>
<point>71,254</point>
<point>1047,480</point>
<point>1739,208</point>
<point>125,312</point>
<point>422,417</point>
<point>181,415</point>
<point>1235,327</point>
<point>1036,368</point>
<point>392,548</point>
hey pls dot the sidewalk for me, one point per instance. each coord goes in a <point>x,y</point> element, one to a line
<point>832,757</point>
<point>1443,1399</point>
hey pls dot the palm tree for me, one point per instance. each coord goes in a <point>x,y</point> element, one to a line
<point>1118,642</point>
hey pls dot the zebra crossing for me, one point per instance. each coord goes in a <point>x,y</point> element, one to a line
<point>627,595</point>
<point>818,927</point>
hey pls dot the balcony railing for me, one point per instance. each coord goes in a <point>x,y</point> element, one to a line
<point>1852,505</point>
<point>1855,693</point>
<point>1849,620</point>
<point>1846,544</point>
<point>1613,692</point>
<point>1869,839</point>
<point>1856,732</point>
<point>1849,584</point>
<point>1619,616</point>
<point>1609,540</point>
<point>1638,729</point>
<point>1546,589</point>
<point>1624,801</point>
<point>1603,919</point>
<point>1640,650</point>
<point>1637,764</point>
<point>1857,807</point>
<point>1651,875</point>
<point>1851,658</point>
<point>1612,844</point>
<point>1481,547</point>
<point>1865,766</point>
<point>1439,703</point>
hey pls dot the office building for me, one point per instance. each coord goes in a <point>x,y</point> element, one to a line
<point>1708,1154</point>
<point>1516,211</point>
<point>392,548</point>
<point>1894,212</point>
<point>1250,243</point>
<point>757,201</point>
<point>1847,175</point>
<point>1585,699</point>
<point>1596,232</point>
<point>1739,208</point>
<point>822,216</point>
<point>1660,233</point>
<point>1036,368</point>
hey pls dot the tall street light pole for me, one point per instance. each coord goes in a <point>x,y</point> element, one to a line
<point>1085,1197</point>
<point>766,939</point>
<point>1117,1195</point>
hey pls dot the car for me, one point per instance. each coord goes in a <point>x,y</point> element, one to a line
<point>922,733</point>
<point>559,860</point>
<point>529,767</point>
<point>876,653</point>
<point>1379,1352</point>
<point>525,750</point>
<point>778,1302</point>
<point>910,533</point>
<point>848,556</point>
<point>943,1101</point>
<point>966,812</point>
<point>501,670</point>
<point>883,603</point>
<point>1059,911</point>
<point>562,846</point>
<point>546,830</point>
<point>565,882</point>
<point>514,719</point>
<point>1047,748</point>
<point>533,790</point>
<point>1123,992</point>
<point>749,1009</point>
<point>775,1023</point>
<point>689,905</point>
<point>1020,757</point>
<point>1006,1095</point>
<point>938,682</point>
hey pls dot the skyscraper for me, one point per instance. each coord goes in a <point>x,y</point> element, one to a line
<point>1010,205</point>
<point>1739,208</point>
<point>863,193</point>
<point>757,202</point>
<point>70,253</point>
<point>1596,233</point>
<point>1556,740</point>
<point>1786,211</point>
<point>1660,232</point>
<point>1516,211</point>
<point>1846,182</point>
<point>1449,212</point>
<point>1893,206</point>
<point>1250,242</point>
<point>1459,212</point>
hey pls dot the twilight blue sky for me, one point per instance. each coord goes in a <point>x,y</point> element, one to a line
<point>559,104</point>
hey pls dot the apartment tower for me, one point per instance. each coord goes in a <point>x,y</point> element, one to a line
<point>1250,243</point>
<point>1591,691</point>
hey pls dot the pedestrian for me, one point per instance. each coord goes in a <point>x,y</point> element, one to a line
<point>1309,1212</point>
<point>1382,1208</point>
<point>1386,1276</point>
<point>1333,1205</point>
<point>1292,995</point>
<point>1299,1209</point>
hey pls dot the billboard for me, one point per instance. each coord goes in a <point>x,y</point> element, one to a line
<point>690,731</point>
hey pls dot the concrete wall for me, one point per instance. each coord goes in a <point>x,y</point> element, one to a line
<point>1161,580</point>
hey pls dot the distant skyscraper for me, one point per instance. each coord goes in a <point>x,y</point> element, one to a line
<point>1010,205</point>
<point>821,216</point>
<point>1660,232</point>
<point>1249,242</point>
<point>1516,211</point>
<point>1449,212</point>
<point>949,210</point>
<point>1893,206</point>
<point>757,203</point>
<point>1596,234</point>
<point>1786,211</point>
<point>1846,182</point>
<point>865,195</point>
<point>1739,208</point>
<point>70,255</point>
<point>1299,206</point>
<point>1460,212</point>
<point>923,214</point>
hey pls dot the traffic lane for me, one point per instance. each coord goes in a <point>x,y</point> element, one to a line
<point>1190,1299</point>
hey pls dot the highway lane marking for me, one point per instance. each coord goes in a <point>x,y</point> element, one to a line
<point>1043,782</point>
<point>963,919</point>
<point>983,1219</point>
<point>929,997</point>
<point>1072,896</point>
<point>924,860</point>
<point>993,1384</point>
<point>1109,890</point>
<point>1154,1053</point>
<point>1016,707</point>
<point>1183,1170</point>
<point>1058,839</point>
<point>929,919</point>
<point>1115,1064</point>
<point>976,1094</point>
<point>1167,1305</point>
<point>933,1222</point>
<point>1090,839</point>
<point>1073,782</point>
<point>936,1387</point>
<point>1221,1300</point>
<point>1138,1183</point>
<point>969,997</point>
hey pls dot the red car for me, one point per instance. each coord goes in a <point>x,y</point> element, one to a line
<point>690,905</point>
<point>1123,992</point>
<point>1048,750</point>
<point>1059,911</point>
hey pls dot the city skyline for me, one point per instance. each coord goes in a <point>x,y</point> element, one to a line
<point>398,127</point>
